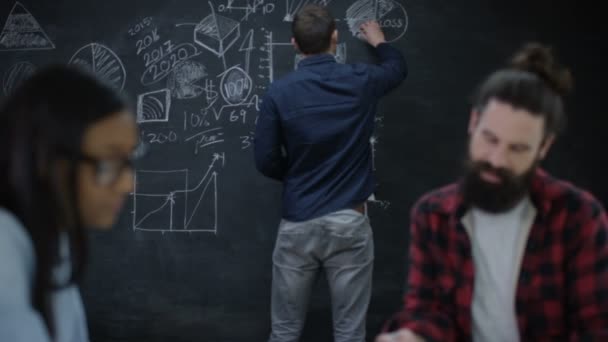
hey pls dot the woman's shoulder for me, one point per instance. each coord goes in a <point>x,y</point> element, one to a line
<point>18,320</point>
<point>16,246</point>
<point>12,228</point>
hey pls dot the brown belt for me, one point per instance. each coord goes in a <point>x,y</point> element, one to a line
<point>360,208</point>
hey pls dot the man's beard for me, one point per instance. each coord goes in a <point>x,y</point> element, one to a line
<point>495,198</point>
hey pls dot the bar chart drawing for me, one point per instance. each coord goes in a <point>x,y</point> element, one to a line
<point>163,200</point>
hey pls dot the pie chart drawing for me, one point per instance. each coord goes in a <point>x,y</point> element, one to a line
<point>103,62</point>
<point>16,75</point>
<point>390,14</point>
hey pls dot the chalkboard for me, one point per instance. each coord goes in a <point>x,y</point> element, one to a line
<point>190,258</point>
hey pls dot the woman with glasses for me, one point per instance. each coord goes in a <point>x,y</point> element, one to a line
<point>65,165</point>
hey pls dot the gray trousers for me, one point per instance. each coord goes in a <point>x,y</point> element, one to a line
<point>340,243</point>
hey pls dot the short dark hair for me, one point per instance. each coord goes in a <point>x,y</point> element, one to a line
<point>533,81</point>
<point>43,121</point>
<point>312,28</point>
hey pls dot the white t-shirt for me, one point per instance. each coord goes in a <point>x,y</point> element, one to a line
<point>497,241</point>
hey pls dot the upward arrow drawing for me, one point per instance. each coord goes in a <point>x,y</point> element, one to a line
<point>247,46</point>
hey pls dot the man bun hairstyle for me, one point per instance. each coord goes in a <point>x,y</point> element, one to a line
<point>533,81</point>
<point>539,60</point>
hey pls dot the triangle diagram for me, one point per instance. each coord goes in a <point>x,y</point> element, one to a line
<point>22,32</point>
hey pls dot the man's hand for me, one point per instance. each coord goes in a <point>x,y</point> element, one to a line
<point>402,335</point>
<point>372,33</point>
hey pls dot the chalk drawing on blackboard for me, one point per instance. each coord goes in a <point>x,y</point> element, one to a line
<point>18,73</point>
<point>296,60</point>
<point>390,14</point>
<point>211,95</point>
<point>242,5</point>
<point>373,141</point>
<point>217,33</point>
<point>154,106</point>
<point>267,63</point>
<point>183,78</point>
<point>247,140</point>
<point>240,109</point>
<point>208,137</point>
<point>103,62</point>
<point>248,6</point>
<point>22,32</point>
<point>163,66</point>
<point>340,55</point>
<point>383,204</point>
<point>235,85</point>
<point>293,6</point>
<point>247,47</point>
<point>164,202</point>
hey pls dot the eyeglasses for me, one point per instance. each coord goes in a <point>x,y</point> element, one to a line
<point>108,171</point>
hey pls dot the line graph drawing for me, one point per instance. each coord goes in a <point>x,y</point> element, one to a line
<point>18,73</point>
<point>103,62</point>
<point>183,78</point>
<point>154,106</point>
<point>217,33</point>
<point>164,202</point>
<point>390,14</point>
<point>22,32</point>
<point>340,55</point>
<point>293,6</point>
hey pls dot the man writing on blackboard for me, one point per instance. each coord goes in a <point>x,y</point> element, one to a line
<point>313,134</point>
<point>509,253</point>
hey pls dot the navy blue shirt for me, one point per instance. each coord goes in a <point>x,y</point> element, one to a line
<point>314,128</point>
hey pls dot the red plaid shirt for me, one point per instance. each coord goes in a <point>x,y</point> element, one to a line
<point>562,290</point>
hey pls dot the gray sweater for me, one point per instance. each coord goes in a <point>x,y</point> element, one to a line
<point>19,322</point>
